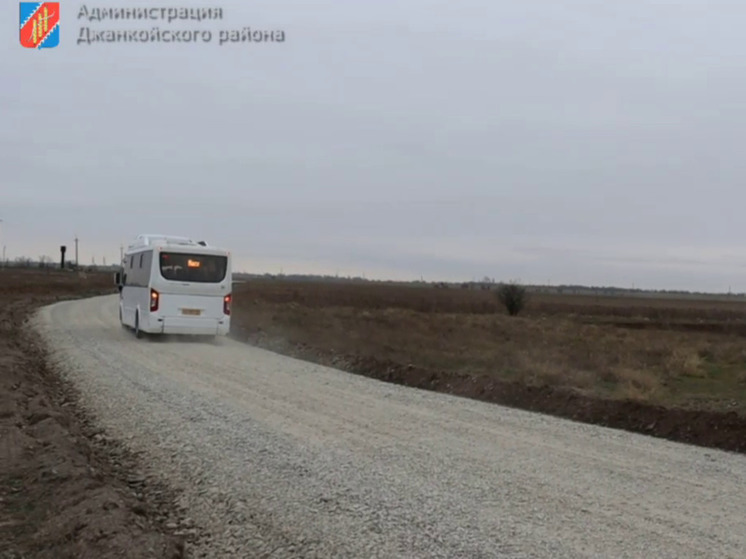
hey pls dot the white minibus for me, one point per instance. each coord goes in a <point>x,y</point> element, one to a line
<point>174,285</point>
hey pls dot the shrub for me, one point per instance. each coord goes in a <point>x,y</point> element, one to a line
<point>513,297</point>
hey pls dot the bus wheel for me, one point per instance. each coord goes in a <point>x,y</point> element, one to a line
<point>138,332</point>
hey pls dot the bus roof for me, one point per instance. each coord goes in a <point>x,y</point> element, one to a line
<point>164,240</point>
<point>172,242</point>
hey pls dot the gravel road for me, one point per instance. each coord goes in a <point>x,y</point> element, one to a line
<point>277,457</point>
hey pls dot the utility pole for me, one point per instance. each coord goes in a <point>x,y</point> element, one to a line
<point>121,253</point>
<point>76,251</point>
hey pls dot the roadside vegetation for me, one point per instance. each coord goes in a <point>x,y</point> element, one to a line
<point>578,356</point>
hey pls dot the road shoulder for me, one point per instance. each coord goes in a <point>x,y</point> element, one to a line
<point>66,490</point>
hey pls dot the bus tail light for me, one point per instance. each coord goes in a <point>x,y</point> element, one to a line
<point>154,299</point>
<point>227,304</point>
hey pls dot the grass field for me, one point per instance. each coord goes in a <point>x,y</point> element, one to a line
<point>683,353</point>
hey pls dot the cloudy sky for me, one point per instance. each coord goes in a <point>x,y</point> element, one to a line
<point>566,142</point>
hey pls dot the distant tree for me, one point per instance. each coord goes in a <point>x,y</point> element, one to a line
<point>513,296</point>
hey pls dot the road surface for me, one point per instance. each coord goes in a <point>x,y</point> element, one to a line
<point>277,457</point>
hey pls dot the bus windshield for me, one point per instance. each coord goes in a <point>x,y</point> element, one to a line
<point>203,268</point>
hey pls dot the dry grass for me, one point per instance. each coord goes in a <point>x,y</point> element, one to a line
<point>16,282</point>
<point>687,352</point>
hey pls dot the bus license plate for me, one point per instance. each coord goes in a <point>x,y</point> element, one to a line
<point>192,312</point>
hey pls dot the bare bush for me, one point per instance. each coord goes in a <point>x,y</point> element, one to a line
<point>513,296</point>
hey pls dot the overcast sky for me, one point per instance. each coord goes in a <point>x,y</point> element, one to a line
<point>566,142</point>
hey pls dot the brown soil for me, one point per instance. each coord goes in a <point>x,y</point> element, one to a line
<point>66,490</point>
<point>663,367</point>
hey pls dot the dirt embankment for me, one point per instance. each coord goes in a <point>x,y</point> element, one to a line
<point>65,489</point>
<point>683,386</point>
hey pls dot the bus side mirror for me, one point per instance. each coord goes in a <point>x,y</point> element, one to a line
<point>118,279</point>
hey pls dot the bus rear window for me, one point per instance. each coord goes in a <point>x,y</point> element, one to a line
<point>204,268</point>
